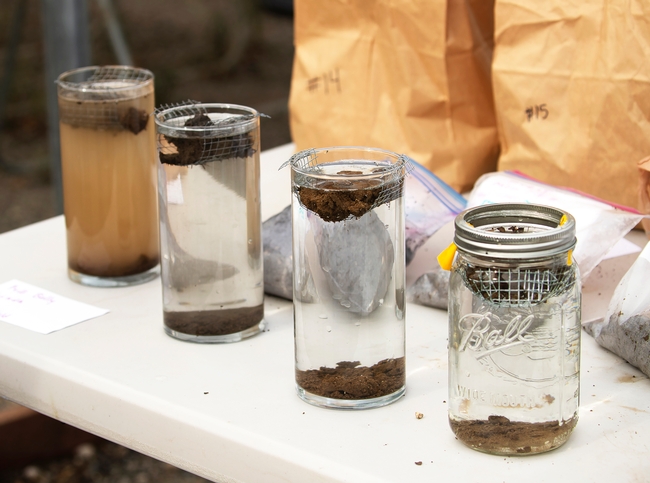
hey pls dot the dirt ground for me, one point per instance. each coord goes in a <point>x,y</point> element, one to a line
<point>237,52</point>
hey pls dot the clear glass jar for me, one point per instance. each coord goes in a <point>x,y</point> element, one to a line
<point>348,266</point>
<point>108,162</point>
<point>210,222</point>
<point>514,329</point>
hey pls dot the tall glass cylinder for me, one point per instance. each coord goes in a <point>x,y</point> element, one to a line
<point>514,329</point>
<point>108,159</point>
<point>348,268</point>
<point>210,222</point>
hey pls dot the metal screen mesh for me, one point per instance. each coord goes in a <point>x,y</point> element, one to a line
<point>392,182</point>
<point>106,100</point>
<point>211,141</point>
<point>515,286</point>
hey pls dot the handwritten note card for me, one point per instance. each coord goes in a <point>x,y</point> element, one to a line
<point>40,310</point>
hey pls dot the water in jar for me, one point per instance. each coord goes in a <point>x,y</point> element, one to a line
<point>109,182</point>
<point>514,368</point>
<point>348,289</point>
<point>211,244</point>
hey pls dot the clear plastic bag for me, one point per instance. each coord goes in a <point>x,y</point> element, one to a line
<point>430,203</point>
<point>625,330</point>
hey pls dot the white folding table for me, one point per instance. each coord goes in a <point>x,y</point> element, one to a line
<point>230,412</point>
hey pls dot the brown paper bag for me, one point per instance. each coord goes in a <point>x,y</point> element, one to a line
<point>572,92</point>
<point>644,193</point>
<point>410,76</point>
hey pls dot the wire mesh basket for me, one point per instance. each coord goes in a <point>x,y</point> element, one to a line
<point>191,133</point>
<point>105,97</point>
<point>508,287</point>
<point>381,182</point>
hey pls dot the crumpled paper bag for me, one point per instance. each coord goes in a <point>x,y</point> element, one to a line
<point>644,193</point>
<point>572,92</point>
<point>410,76</point>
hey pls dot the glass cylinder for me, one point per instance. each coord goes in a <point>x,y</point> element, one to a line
<point>514,329</point>
<point>210,221</point>
<point>108,161</point>
<point>348,276</point>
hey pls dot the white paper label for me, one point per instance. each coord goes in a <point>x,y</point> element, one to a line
<point>40,310</point>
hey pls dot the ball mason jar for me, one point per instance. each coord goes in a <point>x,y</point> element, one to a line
<point>210,221</point>
<point>108,162</point>
<point>348,269</point>
<point>514,329</point>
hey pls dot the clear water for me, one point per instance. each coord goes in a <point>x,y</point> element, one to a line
<point>211,235</point>
<point>348,280</point>
<point>519,362</point>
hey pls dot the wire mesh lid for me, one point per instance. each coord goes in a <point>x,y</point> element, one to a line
<point>106,97</point>
<point>342,182</point>
<point>193,133</point>
<point>107,81</point>
<point>515,231</point>
<point>516,239</point>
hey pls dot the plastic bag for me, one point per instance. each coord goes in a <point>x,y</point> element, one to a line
<point>429,203</point>
<point>625,330</point>
<point>430,289</point>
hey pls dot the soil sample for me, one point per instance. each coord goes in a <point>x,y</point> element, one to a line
<point>214,322</point>
<point>431,289</point>
<point>629,339</point>
<point>510,286</point>
<point>357,255</point>
<point>341,199</point>
<point>191,151</point>
<point>351,380</point>
<point>278,263</point>
<point>499,435</point>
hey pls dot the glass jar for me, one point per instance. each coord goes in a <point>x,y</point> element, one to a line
<point>514,329</point>
<point>108,162</point>
<point>210,221</point>
<point>348,268</point>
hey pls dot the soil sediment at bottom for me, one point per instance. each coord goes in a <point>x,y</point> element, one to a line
<point>141,265</point>
<point>214,322</point>
<point>350,380</point>
<point>500,435</point>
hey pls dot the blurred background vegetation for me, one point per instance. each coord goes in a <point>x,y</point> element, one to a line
<point>234,51</point>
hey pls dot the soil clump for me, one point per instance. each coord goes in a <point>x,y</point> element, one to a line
<point>214,322</point>
<point>501,436</point>
<point>350,380</point>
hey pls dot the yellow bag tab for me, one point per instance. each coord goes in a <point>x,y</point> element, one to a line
<point>563,220</point>
<point>446,257</point>
<point>569,258</point>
